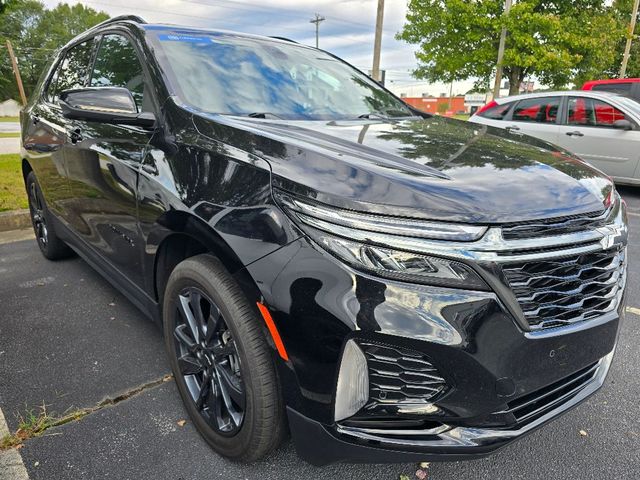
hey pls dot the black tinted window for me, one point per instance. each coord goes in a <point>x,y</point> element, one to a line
<point>117,65</point>
<point>621,88</point>
<point>539,110</point>
<point>73,71</point>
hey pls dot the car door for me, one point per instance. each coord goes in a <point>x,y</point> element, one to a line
<point>103,161</point>
<point>537,116</point>
<point>46,133</point>
<point>587,130</point>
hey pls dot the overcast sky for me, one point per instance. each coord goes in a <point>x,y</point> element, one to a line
<point>347,31</point>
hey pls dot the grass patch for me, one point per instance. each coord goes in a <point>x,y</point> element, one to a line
<point>9,134</point>
<point>461,117</point>
<point>33,424</point>
<point>13,195</point>
<point>9,119</point>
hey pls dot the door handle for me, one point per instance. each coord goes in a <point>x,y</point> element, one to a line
<point>512,128</point>
<point>575,134</point>
<point>75,136</point>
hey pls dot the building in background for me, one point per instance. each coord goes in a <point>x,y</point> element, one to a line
<point>9,108</point>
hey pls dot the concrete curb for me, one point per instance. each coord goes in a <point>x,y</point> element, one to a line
<point>14,220</point>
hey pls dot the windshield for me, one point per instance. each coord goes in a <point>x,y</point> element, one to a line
<point>631,104</point>
<point>235,75</point>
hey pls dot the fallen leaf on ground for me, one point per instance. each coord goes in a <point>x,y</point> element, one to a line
<point>421,474</point>
<point>584,433</point>
<point>182,423</point>
<point>424,464</point>
<point>112,304</point>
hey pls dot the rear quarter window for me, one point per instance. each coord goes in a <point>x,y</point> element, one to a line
<point>621,88</point>
<point>497,112</point>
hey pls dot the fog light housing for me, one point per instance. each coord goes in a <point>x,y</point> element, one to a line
<point>352,392</point>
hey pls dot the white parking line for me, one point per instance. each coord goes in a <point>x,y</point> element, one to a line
<point>633,214</point>
<point>11,466</point>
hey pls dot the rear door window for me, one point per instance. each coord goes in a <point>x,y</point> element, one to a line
<point>538,110</point>
<point>72,71</point>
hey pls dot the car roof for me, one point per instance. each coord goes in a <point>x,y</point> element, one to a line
<point>561,93</point>
<point>592,83</point>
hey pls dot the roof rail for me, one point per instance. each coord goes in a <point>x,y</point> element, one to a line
<point>284,39</point>
<point>120,18</point>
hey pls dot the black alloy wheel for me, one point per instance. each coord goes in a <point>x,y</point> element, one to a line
<point>223,366</point>
<point>36,206</point>
<point>51,246</point>
<point>209,361</point>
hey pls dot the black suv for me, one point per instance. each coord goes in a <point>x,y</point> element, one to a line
<point>385,284</point>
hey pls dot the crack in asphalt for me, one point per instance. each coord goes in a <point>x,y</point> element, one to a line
<point>21,436</point>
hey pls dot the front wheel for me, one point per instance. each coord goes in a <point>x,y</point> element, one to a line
<point>222,364</point>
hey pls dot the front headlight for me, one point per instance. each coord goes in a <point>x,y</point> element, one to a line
<point>366,242</point>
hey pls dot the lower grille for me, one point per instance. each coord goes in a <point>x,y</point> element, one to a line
<point>399,375</point>
<point>560,291</point>
<point>534,405</point>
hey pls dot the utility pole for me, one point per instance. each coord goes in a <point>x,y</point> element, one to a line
<point>317,21</point>
<point>503,38</point>
<point>627,48</point>
<point>377,43</point>
<point>16,72</point>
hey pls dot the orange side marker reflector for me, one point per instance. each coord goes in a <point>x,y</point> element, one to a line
<point>273,331</point>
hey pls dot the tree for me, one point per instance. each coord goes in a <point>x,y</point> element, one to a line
<point>556,41</point>
<point>36,34</point>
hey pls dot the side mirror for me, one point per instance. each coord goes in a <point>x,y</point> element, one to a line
<point>623,125</point>
<point>104,104</point>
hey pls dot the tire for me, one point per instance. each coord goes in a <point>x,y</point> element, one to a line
<point>232,355</point>
<point>51,246</point>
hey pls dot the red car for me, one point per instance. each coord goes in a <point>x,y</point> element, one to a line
<point>629,87</point>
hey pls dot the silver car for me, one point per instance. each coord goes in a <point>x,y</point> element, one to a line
<point>601,128</point>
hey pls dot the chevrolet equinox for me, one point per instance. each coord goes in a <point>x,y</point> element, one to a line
<point>324,260</point>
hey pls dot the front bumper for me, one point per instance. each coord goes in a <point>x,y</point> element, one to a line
<point>320,445</point>
<point>492,360</point>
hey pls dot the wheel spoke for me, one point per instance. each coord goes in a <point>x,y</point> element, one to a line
<point>183,337</point>
<point>189,365</point>
<point>205,389</point>
<point>223,351</point>
<point>187,314</point>
<point>213,323</point>
<point>231,391</point>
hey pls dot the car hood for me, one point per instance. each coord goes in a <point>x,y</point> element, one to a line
<point>433,168</point>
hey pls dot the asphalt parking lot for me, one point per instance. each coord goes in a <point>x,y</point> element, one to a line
<point>68,340</point>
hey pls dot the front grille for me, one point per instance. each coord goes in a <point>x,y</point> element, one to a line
<point>401,375</point>
<point>560,291</point>
<point>529,407</point>
<point>556,226</point>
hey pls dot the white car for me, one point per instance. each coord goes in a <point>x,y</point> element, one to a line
<point>601,128</point>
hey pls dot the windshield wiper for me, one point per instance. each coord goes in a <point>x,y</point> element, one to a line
<point>263,115</point>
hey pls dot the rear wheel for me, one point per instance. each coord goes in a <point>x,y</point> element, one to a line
<point>51,246</point>
<point>223,368</point>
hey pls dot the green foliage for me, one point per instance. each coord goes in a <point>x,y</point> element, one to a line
<point>36,33</point>
<point>558,42</point>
